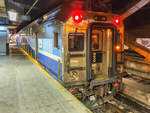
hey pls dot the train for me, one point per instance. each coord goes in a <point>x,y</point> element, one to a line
<point>81,48</point>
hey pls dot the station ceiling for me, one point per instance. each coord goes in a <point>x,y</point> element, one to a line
<point>36,8</point>
<point>3,14</point>
<point>2,8</point>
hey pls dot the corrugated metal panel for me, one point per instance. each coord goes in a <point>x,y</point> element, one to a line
<point>3,41</point>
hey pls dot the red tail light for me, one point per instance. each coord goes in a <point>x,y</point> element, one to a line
<point>116,85</point>
<point>118,80</point>
<point>117,21</point>
<point>77,17</point>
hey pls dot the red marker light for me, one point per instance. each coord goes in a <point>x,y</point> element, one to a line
<point>118,80</point>
<point>77,17</point>
<point>117,21</point>
<point>116,85</point>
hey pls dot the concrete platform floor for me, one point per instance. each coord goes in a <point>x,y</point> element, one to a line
<point>25,89</point>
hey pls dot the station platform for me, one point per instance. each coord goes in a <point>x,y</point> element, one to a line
<point>24,88</point>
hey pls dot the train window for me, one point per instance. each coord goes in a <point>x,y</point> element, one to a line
<point>96,42</point>
<point>76,42</point>
<point>55,39</point>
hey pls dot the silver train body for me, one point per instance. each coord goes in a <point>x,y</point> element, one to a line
<point>86,56</point>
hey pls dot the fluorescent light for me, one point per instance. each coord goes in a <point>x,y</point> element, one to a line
<point>12,15</point>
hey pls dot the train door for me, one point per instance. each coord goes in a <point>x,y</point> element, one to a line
<point>76,58</point>
<point>101,52</point>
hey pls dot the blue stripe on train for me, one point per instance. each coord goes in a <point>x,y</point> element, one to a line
<point>50,64</point>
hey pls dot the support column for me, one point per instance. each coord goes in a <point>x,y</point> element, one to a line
<point>36,46</point>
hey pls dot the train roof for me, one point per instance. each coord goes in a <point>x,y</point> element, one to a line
<point>64,12</point>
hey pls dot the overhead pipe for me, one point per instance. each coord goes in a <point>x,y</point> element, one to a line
<point>135,8</point>
<point>32,7</point>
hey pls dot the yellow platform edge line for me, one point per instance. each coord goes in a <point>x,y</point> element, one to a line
<point>54,80</point>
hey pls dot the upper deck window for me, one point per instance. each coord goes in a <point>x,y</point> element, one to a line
<point>76,41</point>
<point>55,40</point>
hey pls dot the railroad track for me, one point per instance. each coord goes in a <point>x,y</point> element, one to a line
<point>133,99</point>
<point>115,106</point>
<point>120,104</point>
<point>133,105</point>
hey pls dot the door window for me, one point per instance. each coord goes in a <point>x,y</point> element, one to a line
<point>76,41</point>
<point>55,40</point>
<point>96,41</point>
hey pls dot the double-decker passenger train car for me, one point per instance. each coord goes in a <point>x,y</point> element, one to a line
<point>81,48</point>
